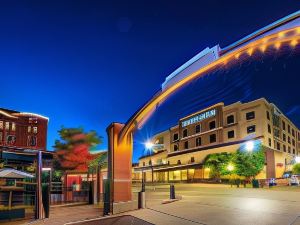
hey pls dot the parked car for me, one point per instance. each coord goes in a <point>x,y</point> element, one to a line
<point>294,181</point>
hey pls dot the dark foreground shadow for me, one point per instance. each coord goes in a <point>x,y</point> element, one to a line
<point>118,220</point>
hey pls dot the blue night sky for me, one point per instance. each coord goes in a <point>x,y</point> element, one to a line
<point>88,63</point>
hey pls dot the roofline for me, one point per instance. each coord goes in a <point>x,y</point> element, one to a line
<point>261,31</point>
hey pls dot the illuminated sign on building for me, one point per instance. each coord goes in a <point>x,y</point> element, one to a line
<point>198,118</point>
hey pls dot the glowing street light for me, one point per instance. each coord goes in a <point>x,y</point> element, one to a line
<point>249,146</point>
<point>149,145</point>
<point>230,167</point>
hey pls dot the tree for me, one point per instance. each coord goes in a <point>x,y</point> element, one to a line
<point>296,168</point>
<point>217,163</point>
<point>73,148</point>
<point>100,160</point>
<point>249,164</point>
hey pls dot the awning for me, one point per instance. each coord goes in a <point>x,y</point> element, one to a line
<point>12,173</point>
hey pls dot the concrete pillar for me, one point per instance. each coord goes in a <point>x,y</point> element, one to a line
<point>119,166</point>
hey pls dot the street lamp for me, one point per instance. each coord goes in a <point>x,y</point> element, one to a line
<point>230,167</point>
<point>149,145</point>
<point>249,146</point>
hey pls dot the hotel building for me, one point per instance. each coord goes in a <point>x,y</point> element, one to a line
<point>179,153</point>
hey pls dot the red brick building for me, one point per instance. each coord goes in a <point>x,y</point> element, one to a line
<point>20,130</point>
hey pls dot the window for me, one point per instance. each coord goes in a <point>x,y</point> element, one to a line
<point>278,146</point>
<point>283,125</point>
<point>294,151</point>
<point>212,125</point>
<point>276,133</point>
<point>197,128</point>
<point>1,135</point>
<point>6,125</point>
<point>212,138</point>
<point>289,149</point>
<point>144,164</point>
<point>192,159</point>
<point>13,126</point>
<point>1,125</point>
<point>175,148</point>
<point>175,137</point>
<point>293,142</point>
<point>250,115</point>
<point>230,119</point>
<point>186,145</point>
<point>185,133</point>
<point>293,132</point>
<point>178,162</point>
<point>289,128</point>
<point>270,142</point>
<point>150,163</point>
<point>269,129</point>
<point>198,141</point>
<point>268,115</point>
<point>35,130</point>
<point>251,129</point>
<point>11,139</point>
<point>31,141</point>
<point>289,140</point>
<point>230,134</point>
<point>283,137</point>
<point>284,148</point>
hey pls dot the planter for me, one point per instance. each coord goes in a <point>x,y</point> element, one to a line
<point>12,214</point>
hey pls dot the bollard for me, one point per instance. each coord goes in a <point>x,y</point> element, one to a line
<point>172,191</point>
<point>142,200</point>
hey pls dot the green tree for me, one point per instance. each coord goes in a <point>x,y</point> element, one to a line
<point>296,168</point>
<point>217,163</point>
<point>249,164</point>
<point>73,148</point>
<point>100,160</point>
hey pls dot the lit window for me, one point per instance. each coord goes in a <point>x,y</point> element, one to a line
<point>1,125</point>
<point>13,126</point>
<point>6,125</point>
<point>35,130</point>
<point>29,129</point>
